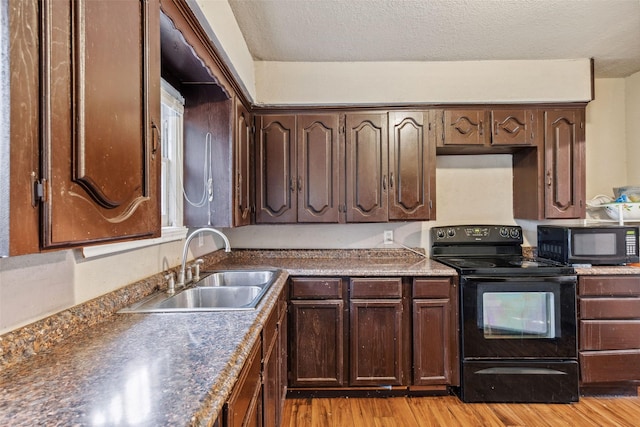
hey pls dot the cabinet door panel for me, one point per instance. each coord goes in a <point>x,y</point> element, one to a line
<point>318,162</point>
<point>431,332</point>
<point>102,160</point>
<point>411,163</point>
<point>376,342</point>
<point>512,127</point>
<point>275,173</point>
<point>564,168</point>
<point>465,127</point>
<point>317,346</point>
<point>367,167</point>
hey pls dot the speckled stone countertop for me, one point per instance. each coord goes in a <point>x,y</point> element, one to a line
<point>166,369</point>
<point>345,262</point>
<point>607,270</point>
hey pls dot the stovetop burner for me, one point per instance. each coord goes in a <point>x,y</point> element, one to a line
<point>516,265</point>
<point>483,249</point>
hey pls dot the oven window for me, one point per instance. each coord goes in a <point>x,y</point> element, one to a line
<point>516,314</point>
<point>585,244</point>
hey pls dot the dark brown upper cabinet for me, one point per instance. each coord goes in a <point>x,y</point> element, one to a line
<point>564,187</point>
<point>465,127</point>
<point>411,167</point>
<point>297,172</point>
<point>514,127</point>
<point>89,170</point>
<point>486,130</point>
<point>318,155</point>
<point>218,126</point>
<point>276,179</point>
<point>367,167</point>
<point>549,182</point>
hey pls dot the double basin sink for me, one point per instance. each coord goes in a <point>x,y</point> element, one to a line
<point>216,291</point>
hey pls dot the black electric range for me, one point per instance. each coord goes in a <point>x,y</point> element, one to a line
<point>518,320</point>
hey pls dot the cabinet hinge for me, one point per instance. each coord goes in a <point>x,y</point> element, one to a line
<point>39,191</point>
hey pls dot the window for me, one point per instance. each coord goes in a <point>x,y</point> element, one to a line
<point>172,133</point>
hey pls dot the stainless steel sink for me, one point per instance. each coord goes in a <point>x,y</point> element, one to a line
<point>237,278</point>
<point>218,291</point>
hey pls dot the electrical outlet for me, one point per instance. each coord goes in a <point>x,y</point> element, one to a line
<point>388,237</point>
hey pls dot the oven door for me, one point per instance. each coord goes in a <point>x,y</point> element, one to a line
<point>518,317</point>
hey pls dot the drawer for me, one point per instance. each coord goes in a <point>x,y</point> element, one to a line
<point>316,288</point>
<point>431,288</point>
<point>610,308</point>
<point>376,288</point>
<point>609,285</point>
<point>609,366</point>
<point>609,334</point>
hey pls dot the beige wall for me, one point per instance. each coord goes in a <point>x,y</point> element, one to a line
<point>422,82</point>
<point>606,159</point>
<point>632,110</point>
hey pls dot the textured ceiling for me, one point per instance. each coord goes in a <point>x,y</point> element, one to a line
<point>444,30</point>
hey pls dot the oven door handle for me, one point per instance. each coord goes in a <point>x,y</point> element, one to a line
<point>517,278</point>
<point>514,370</point>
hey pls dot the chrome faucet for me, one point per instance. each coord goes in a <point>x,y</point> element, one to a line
<point>185,250</point>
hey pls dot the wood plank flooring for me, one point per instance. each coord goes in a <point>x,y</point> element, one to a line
<point>449,411</point>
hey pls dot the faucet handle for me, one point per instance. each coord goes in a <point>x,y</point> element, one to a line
<point>189,274</point>
<point>171,283</point>
<point>196,266</point>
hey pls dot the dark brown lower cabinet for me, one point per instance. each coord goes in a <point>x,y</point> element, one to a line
<point>376,329</point>
<point>609,331</point>
<point>273,360</point>
<point>317,314</point>
<point>435,335</point>
<point>244,406</point>
<point>359,333</point>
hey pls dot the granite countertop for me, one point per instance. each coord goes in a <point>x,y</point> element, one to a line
<point>168,369</point>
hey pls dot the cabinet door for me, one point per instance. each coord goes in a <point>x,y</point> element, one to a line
<point>244,406</point>
<point>411,166</point>
<point>465,127</point>
<point>242,204</point>
<point>431,332</point>
<point>367,167</point>
<point>564,163</point>
<point>317,343</point>
<point>276,200</point>
<point>512,127</point>
<point>318,168</point>
<point>100,112</point>
<point>376,342</point>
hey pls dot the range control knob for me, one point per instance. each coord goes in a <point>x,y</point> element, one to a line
<point>515,233</point>
<point>504,232</point>
<point>440,234</point>
<point>451,232</point>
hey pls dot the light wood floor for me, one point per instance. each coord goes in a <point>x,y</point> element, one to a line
<point>449,411</point>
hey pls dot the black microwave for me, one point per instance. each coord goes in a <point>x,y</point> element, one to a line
<point>595,245</point>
